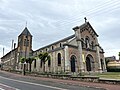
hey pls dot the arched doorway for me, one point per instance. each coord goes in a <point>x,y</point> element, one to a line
<point>72,61</point>
<point>102,64</point>
<point>89,63</point>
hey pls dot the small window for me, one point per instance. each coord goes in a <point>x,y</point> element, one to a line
<point>60,45</point>
<point>26,42</point>
<point>49,63</point>
<point>52,47</point>
<point>87,42</point>
<point>82,42</point>
<point>35,63</point>
<point>92,44</point>
<point>59,59</point>
<point>40,50</point>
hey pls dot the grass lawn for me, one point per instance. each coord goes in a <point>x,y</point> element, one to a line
<point>110,75</point>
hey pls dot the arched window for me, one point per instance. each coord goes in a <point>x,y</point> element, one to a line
<point>60,45</point>
<point>73,63</point>
<point>52,47</point>
<point>49,63</point>
<point>102,64</point>
<point>92,45</point>
<point>35,63</point>
<point>59,59</point>
<point>82,42</point>
<point>87,42</point>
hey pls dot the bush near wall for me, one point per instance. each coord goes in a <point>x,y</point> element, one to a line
<point>113,69</point>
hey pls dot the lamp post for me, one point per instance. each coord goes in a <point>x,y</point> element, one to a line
<point>1,65</point>
<point>23,73</point>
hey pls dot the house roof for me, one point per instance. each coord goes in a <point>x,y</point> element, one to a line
<point>62,40</point>
<point>9,53</point>
<point>25,32</point>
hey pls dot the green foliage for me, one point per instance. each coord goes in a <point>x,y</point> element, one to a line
<point>22,60</point>
<point>110,75</point>
<point>119,54</point>
<point>44,56</point>
<point>113,69</point>
<point>30,60</point>
<point>36,57</point>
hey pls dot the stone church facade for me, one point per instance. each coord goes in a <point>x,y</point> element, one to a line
<point>80,52</point>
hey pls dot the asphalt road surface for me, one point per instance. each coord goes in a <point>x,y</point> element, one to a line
<point>8,82</point>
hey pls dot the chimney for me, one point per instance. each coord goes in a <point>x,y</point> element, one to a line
<point>14,45</point>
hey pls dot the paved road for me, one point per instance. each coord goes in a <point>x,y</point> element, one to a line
<point>23,83</point>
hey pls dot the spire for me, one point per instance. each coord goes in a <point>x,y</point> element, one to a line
<point>26,24</point>
<point>25,31</point>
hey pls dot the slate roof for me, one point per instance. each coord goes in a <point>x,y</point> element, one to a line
<point>25,32</point>
<point>62,40</point>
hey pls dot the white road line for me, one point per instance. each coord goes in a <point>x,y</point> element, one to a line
<point>2,89</point>
<point>8,86</point>
<point>34,84</point>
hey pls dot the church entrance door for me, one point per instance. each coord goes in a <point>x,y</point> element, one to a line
<point>72,61</point>
<point>89,63</point>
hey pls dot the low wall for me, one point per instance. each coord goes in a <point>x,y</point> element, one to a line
<point>70,77</point>
<point>109,81</point>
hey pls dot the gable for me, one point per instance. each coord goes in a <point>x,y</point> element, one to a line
<point>87,27</point>
<point>86,30</point>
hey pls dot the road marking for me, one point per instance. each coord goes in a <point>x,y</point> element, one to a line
<point>34,84</point>
<point>8,87</point>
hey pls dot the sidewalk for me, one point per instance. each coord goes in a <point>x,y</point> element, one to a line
<point>71,82</point>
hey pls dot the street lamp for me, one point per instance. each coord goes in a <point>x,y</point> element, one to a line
<point>23,73</point>
<point>1,65</point>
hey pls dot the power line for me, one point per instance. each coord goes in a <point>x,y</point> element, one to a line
<point>96,9</point>
<point>91,12</point>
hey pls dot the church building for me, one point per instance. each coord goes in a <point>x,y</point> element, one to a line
<point>80,52</point>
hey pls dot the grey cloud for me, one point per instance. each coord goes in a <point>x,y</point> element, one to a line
<point>50,18</point>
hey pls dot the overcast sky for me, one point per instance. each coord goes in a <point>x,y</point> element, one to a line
<point>52,20</point>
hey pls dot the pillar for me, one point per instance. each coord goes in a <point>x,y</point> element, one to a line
<point>98,55</point>
<point>105,69</point>
<point>78,39</point>
<point>67,61</point>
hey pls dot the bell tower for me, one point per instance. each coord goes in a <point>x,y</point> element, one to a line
<point>24,44</point>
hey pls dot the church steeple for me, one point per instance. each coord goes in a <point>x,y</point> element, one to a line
<point>25,32</point>
<point>25,43</point>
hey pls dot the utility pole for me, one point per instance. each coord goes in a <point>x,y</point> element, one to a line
<point>11,55</point>
<point>3,51</point>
